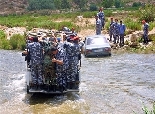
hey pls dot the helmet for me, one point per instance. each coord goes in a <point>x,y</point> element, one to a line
<point>66,29</point>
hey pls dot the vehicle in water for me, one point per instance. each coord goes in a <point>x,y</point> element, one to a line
<point>96,45</point>
<point>50,83</point>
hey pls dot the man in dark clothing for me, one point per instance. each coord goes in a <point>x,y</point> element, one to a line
<point>98,25</point>
<point>36,58</point>
<point>145,31</point>
<point>111,29</point>
<point>101,17</point>
<point>59,59</point>
<point>116,31</point>
<point>122,29</point>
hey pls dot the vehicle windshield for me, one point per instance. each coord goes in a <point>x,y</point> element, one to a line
<point>96,41</point>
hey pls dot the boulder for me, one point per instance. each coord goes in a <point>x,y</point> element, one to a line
<point>133,37</point>
<point>134,44</point>
<point>113,46</point>
<point>80,18</point>
<point>151,35</point>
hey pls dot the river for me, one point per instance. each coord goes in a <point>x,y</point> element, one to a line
<point>120,84</point>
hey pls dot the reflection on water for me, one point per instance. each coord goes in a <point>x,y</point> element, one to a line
<point>110,85</point>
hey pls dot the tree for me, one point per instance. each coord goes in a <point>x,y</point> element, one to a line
<point>40,4</point>
<point>65,4</point>
<point>93,7</point>
<point>147,13</point>
<point>107,3</point>
<point>117,3</point>
<point>81,3</point>
<point>136,4</point>
<point>57,4</point>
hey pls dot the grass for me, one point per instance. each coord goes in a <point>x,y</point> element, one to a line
<point>147,110</point>
<point>45,21</point>
<point>56,21</point>
<point>151,25</point>
<point>132,24</point>
<point>51,21</point>
<point>4,43</point>
<point>32,21</point>
<point>141,49</point>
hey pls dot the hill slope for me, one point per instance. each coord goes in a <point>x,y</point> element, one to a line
<point>19,6</point>
<point>12,6</point>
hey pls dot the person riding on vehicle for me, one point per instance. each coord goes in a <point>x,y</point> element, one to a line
<point>59,59</point>
<point>36,58</point>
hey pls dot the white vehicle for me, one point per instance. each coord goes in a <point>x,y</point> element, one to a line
<point>96,45</point>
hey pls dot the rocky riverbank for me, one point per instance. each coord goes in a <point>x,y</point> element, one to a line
<point>131,40</point>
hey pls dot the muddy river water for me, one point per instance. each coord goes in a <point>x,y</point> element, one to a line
<point>120,84</point>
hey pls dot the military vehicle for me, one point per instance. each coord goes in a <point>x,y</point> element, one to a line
<point>50,84</point>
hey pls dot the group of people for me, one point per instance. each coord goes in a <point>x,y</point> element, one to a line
<point>62,54</point>
<point>117,29</point>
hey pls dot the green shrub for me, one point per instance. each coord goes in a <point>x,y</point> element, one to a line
<point>136,4</point>
<point>4,43</point>
<point>147,111</point>
<point>2,35</point>
<point>133,25</point>
<point>107,25</point>
<point>17,41</point>
<point>108,13</point>
<point>93,7</point>
<point>40,4</point>
<point>89,14</point>
<point>147,13</point>
<point>151,25</point>
<point>152,37</point>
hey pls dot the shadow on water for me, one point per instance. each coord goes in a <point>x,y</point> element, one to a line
<point>56,99</point>
<point>98,56</point>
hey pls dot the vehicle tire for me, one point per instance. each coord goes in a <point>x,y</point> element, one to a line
<point>28,89</point>
<point>77,86</point>
<point>85,55</point>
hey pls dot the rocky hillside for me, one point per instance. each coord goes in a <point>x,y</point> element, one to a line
<point>12,6</point>
<point>130,2</point>
<point>19,6</point>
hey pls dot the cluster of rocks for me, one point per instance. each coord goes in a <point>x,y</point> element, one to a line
<point>22,30</point>
<point>11,31</point>
<point>45,33</point>
<point>131,40</point>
